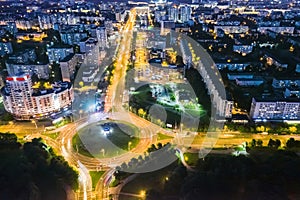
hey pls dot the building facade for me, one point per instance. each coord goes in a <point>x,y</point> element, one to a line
<point>101,34</point>
<point>5,48</point>
<point>249,82</point>
<point>56,53</point>
<point>41,70</point>
<point>26,103</point>
<point>68,67</point>
<point>264,110</point>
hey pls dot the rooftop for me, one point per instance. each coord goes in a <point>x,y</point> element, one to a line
<point>68,57</point>
<point>59,46</point>
<point>56,88</point>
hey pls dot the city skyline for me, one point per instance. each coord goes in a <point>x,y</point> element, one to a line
<point>150,99</point>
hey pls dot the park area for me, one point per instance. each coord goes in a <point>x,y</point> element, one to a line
<point>106,139</point>
<point>176,99</point>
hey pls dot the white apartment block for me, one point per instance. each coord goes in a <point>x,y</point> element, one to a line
<point>57,53</point>
<point>173,13</point>
<point>263,110</point>
<point>285,82</point>
<point>185,13</point>
<point>277,29</point>
<point>102,37</point>
<point>25,103</point>
<point>68,67</point>
<point>232,29</point>
<point>214,84</point>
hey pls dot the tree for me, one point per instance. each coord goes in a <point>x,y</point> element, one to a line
<point>271,143</point>
<point>159,145</point>
<point>274,143</point>
<point>293,129</point>
<point>81,84</point>
<point>152,195</point>
<point>259,143</point>
<point>292,143</point>
<point>253,143</point>
<point>7,117</point>
<point>33,170</point>
<point>9,141</point>
<point>260,129</point>
<point>277,143</point>
<point>152,148</point>
<point>141,112</point>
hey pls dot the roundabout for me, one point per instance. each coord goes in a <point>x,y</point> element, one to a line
<point>105,139</point>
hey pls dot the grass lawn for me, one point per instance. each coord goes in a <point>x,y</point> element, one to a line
<point>114,183</point>
<point>52,135</point>
<point>161,136</point>
<point>95,177</point>
<point>237,139</point>
<point>191,158</point>
<point>80,147</point>
<point>92,141</point>
<point>124,134</point>
<point>62,123</point>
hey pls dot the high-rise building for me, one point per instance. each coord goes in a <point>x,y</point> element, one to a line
<point>88,44</point>
<point>45,21</point>
<point>18,95</point>
<point>72,38</point>
<point>25,103</point>
<point>58,52</point>
<point>185,13</point>
<point>40,69</point>
<point>173,13</point>
<point>5,48</point>
<point>102,36</point>
<point>166,26</point>
<point>68,67</point>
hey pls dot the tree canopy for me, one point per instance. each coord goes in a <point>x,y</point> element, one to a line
<point>32,171</point>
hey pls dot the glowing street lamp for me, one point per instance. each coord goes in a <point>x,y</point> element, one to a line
<point>34,122</point>
<point>103,152</point>
<point>129,143</point>
<point>143,193</point>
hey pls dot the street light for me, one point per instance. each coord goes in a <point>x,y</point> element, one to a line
<point>34,122</point>
<point>129,143</point>
<point>103,152</point>
<point>143,193</point>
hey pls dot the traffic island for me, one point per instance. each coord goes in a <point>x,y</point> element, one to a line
<point>106,139</point>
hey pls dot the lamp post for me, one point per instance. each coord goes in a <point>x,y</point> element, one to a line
<point>34,122</point>
<point>143,193</point>
<point>103,152</point>
<point>129,143</point>
<point>80,112</point>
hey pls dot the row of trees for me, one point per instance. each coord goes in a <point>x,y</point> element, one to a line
<point>276,128</point>
<point>291,144</point>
